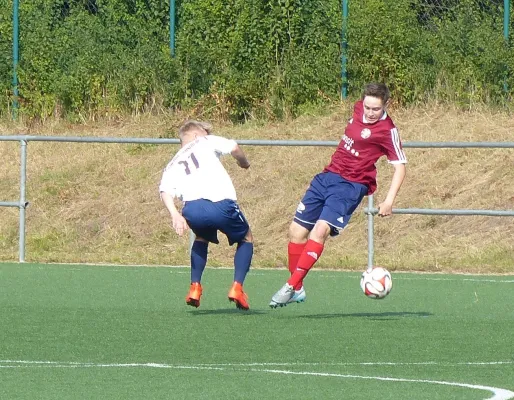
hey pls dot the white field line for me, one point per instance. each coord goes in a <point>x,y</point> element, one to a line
<point>384,363</point>
<point>498,393</point>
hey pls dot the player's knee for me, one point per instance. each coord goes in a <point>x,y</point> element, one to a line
<point>249,237</point>
<point>320,232</point>
<point>298,233</point>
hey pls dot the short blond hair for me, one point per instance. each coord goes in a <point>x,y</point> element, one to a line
<point>193,125</point>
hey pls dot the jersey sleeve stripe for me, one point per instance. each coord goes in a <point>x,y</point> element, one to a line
<point>396,143</point>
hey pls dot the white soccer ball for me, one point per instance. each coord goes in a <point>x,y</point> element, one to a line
<point>376,283</point>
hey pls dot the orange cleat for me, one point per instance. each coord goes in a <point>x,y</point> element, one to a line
<point>193,297</point>
<point>239,297</point>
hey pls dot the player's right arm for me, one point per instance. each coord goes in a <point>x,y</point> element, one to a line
<point>169,192</point>
<point>178,221</point>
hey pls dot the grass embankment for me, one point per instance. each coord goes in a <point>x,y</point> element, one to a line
<point>99,203</point>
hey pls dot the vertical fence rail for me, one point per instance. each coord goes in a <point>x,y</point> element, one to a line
<point>370,210</point>
<point>344,51</point>
<point>506,19</point>
<point>15,57</point>
<point>371,229</point>
<point>23,203</point>
<point>172,27</point>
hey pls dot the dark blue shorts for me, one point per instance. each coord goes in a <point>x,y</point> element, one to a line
<point>329,198</point>
<point>206,218</point>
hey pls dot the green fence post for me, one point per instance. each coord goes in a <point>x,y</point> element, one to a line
<point>506,23</point>
<point>172,27</point>
<point>506,19</point>
<point>15,56</point>
<point>344,48</point>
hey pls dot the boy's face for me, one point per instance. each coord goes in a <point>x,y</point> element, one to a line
<point>374,109</point>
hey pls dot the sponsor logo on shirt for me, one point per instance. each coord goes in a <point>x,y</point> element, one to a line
<point>348,142</point>
<point>365,133</point>
<point>348,145</point>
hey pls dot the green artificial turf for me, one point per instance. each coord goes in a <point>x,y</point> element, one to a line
<point>112,332</point>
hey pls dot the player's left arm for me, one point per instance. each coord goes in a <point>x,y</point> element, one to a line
<point>386,207</point>
<point>229,146</point>
<point>392,148</point>
<point>240,157</point>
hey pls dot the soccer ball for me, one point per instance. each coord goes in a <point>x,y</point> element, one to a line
<point>376,283</point>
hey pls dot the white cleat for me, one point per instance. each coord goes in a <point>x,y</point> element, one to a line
<point>283,296</point>
<point>299,296</point>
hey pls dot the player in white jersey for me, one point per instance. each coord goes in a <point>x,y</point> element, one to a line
<point>197,178</point>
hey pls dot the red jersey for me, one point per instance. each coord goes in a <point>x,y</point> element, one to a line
<point>362,145</point>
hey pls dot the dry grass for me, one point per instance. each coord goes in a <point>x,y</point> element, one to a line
<point>98,203</point>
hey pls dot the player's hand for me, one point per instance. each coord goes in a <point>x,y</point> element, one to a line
<point>385,209</point>
<point>245,164</point>
<point>179,224</point>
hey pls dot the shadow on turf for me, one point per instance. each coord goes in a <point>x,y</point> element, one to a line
<point>381,316</point>
<point>229,311</point>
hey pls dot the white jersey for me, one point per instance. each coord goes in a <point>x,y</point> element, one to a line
<point>197,173</point>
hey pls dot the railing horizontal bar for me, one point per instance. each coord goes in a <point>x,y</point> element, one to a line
<point>425,211</point>
<point>87,139</point>
<point>11,204</point>
<point>453,145</point>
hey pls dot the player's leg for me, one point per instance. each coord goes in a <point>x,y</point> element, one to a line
<point>297,240</point>
<point>198,262</point>
<point>311,252</point>
<point>198,216</point>
<point>342,198</point>
<point>243,258</point>
<point>298,236</point>
<point>234,225</point>
<point>242,261</point>
<point>307,213</point>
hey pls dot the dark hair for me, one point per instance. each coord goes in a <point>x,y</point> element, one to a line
<point>378,90</point>
<point>192,125</point>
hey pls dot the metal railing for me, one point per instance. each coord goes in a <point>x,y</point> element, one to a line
<point>370,210</point>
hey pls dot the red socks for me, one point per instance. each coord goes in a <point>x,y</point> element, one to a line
<point>310,254</point>
<point>294,251</point>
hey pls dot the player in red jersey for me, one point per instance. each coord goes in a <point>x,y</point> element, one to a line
<point>335,193</point>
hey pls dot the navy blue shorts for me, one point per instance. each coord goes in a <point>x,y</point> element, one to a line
<point>329,198</point>
<point>206,218</point>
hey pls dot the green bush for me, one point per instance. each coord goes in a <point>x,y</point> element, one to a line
<point>241,59</point>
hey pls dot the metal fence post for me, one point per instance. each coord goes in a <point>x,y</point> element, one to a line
<point>371,248</point>
<point>15,56</point>
<point>506,23</point>
<point>172,27</point>
<point>344,49</point>
<point>23,203</point>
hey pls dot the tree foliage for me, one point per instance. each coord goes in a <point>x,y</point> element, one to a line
<point>241,59</point>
